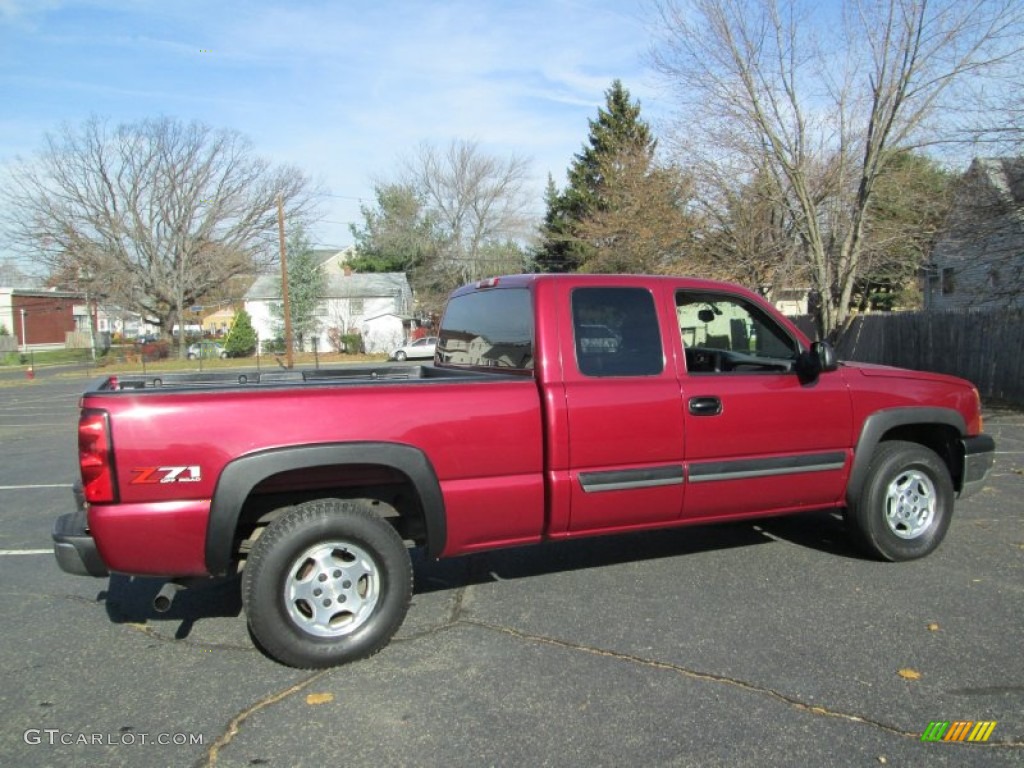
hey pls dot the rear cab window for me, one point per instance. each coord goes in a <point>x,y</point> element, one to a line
<point>489,328</point>
<point>616,332</point>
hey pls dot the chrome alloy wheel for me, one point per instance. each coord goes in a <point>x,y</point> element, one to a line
<point>332,589</point>
<point>910,504</point>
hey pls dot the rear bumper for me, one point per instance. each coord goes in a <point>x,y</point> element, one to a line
<point>73,545</point>
<point>979,456</point>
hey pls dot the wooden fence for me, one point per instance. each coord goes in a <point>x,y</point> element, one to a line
<point>984,346</point>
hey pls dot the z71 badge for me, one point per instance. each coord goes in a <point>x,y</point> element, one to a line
<point>153,475</point>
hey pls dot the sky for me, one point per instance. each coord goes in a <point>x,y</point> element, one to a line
<point>341,89</point>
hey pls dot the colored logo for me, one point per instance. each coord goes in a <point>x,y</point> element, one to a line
<point>958,730</point>
<point>153,475</point>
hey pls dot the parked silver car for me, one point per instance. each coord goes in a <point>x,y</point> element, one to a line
<point>206,350</point>
<point>419,349</point>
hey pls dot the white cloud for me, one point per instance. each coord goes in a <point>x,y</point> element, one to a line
<point>341,89</point>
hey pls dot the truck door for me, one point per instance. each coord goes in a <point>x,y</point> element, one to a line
<point>624,415</point>
<point>758,439</point>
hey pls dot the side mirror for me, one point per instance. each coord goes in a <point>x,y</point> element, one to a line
<point>821,358</point>
<point>826,356</point>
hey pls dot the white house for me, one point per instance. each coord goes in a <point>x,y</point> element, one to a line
<point>978,261</point>
<point>375,305</point>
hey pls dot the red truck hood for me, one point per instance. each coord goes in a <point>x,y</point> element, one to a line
<point>888,371</point>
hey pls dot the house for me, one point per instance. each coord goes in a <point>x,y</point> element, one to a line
<point>38,319</point>
<point>218,323</point>
<point>978,261</point>
<point>375,305</point>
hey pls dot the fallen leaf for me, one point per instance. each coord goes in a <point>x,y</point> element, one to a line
<point>910,674</point>
<point>882,760</point>
<point>933,627</point>
<point>320,698</point>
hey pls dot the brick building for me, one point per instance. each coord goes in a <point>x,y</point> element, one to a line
<point>48,316</point>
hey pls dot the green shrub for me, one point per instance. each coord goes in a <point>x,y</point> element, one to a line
<point>353,344</point>
<point>241,339</point>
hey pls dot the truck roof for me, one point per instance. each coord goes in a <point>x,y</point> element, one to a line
<point>525,280</point>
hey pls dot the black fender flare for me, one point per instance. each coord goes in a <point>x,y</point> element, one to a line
<point>877,424</point>
<point>241,475</point>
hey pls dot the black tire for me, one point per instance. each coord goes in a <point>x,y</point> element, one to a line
<point>327,583</point>
<point>906,504</point>
<point>400,356</point>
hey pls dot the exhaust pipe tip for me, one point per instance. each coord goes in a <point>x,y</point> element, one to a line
<point>164,598</point>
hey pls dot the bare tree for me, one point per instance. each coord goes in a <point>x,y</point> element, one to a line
<point>152,215</point>
<point>824,116</point>
<point>746,234</point>
<point>478,205</point>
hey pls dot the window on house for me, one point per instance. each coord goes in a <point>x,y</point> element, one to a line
<point>355,306</point>
<point>948,285</point>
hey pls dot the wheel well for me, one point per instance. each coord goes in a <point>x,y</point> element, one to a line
<point>387,492</point>
<point>940,438</point>
<point>253,486</point>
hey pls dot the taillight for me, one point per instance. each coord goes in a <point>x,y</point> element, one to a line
<point>95,457</point>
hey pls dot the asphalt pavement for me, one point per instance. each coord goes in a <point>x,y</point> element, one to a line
<point>767,643</point>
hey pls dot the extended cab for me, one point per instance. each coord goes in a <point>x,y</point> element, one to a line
<point>557,407</point>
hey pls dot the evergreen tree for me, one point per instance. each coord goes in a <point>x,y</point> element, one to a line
<point>617,131</point>
<point>306,285</point>
<point>397,235</point>
<point>241,340</point>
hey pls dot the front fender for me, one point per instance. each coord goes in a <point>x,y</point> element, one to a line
<point>878,424</point>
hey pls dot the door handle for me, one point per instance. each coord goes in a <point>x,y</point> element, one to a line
<point>705,406</point>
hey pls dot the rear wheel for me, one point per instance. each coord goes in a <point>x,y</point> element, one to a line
<point>400,356</point>
<point>906,504</point>
<point>327,583</point>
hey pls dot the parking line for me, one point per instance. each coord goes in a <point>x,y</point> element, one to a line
<point>33,425</point>
<point>30,487</point>
<point>26,551</point>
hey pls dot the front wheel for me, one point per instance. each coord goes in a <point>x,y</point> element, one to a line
<point>400,356</point>
<point>905,507</point>
<point>328,583</point>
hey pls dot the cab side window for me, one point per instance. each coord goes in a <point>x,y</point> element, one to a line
<point>723,333</point>
<point>616,332</point>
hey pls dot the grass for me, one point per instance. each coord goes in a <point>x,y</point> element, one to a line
<point>133,364</point>
<point>47,357</point>
<point>124,360</point>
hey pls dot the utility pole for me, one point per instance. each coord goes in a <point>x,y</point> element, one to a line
<point>286,304</point>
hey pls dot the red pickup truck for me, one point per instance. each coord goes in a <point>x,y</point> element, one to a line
<point>557,406</point>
